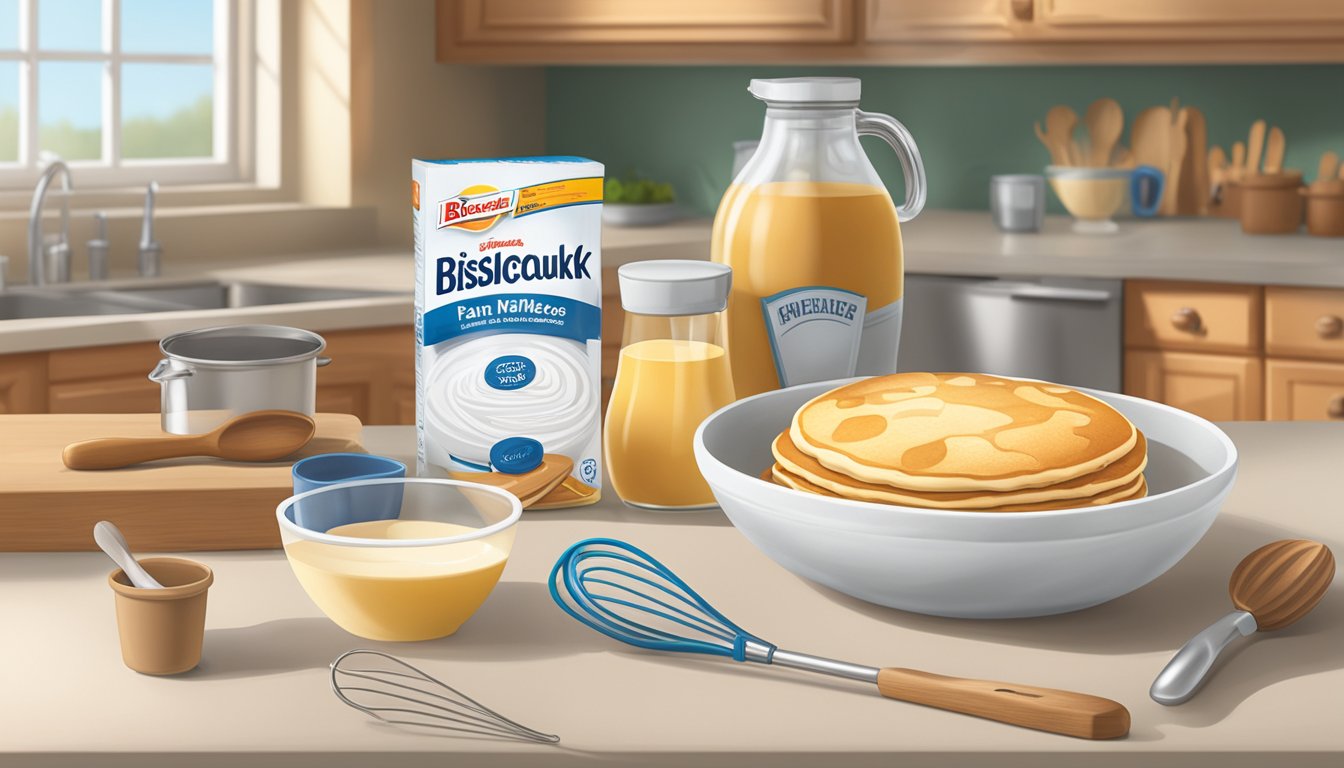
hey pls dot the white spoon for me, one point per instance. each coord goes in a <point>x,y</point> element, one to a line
<point>110,540</point>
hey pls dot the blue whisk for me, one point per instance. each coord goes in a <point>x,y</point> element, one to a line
<point>622,592</point>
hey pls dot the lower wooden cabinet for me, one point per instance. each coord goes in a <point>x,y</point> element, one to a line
<point>23,383</point>
<point>1303,391</point>
<point>1217,387</point>
<point>372,375</point>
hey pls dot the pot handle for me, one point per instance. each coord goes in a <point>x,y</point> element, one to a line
<point>323,362</point>
<point>161,373</point>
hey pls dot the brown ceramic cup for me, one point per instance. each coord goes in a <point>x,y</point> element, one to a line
<point>1270,204</point>
<point>162,629</point>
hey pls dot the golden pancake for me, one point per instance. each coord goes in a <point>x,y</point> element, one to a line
<point>947,432</point>
<point>1118,474</point>
<point>1136,490</point>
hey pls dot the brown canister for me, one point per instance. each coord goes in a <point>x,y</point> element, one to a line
<point>1270,204</point>
<point>1325,208</point>
<point>162,629</point>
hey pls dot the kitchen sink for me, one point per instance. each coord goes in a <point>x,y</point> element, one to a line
<point>20,305</point>
<point>166,296</point>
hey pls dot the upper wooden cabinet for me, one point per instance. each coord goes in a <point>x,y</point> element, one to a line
<point>578,22</point>
<point>1194,20</point>
<point>888,31</point>
<point>913,21</point>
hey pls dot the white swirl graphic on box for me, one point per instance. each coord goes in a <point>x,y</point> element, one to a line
<point>472,405</point>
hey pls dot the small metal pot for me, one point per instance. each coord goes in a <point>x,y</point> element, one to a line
<point>210,375</point>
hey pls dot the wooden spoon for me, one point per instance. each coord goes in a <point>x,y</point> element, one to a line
<point>1272,587</point>
<point>1328,167</point>
<point>1274,151</point>
<point>1150,137</point>
<point>1255,145</point>
<point>1195,200</point>
<point>1176,179</point>
<point>1105,121</point>
<point>1238,168</point>
<point>1059,124</point>
<point>1058,154</point>
<point>256,436</point>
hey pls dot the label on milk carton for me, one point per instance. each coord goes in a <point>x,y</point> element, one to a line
<point>508,320</point>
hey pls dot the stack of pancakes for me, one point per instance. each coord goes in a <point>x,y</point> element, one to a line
<point>962,441</point>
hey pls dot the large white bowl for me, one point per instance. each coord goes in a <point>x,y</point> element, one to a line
<point>971,564</point>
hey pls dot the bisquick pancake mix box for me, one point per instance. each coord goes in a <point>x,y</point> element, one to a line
<point>508,297</point>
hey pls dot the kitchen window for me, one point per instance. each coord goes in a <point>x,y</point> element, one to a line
<point>125,91</point>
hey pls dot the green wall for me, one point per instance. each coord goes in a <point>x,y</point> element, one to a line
<point>677,124</point>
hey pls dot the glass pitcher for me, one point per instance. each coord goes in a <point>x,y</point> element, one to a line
<point>814,241</point>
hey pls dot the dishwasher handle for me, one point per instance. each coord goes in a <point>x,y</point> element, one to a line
<point>1021,290</point>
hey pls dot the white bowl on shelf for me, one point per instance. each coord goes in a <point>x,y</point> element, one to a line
<point>971,564</point>
<point>641,214</point>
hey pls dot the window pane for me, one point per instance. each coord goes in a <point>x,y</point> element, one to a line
<point>70,107</point>
<point>167,26</point>
<point>70,25</point>
<point>9,111</point>
<point>9,24</point>
<point>167,110</point>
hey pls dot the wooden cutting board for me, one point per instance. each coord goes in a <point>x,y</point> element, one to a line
<point>172,505</point>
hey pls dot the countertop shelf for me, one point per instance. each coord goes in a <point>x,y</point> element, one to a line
<point>262,693</point>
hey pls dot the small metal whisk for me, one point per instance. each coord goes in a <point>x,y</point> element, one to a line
<point>622,592</point>
<point>404,691</point>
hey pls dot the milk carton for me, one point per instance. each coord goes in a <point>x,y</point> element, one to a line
<point>508,296</point>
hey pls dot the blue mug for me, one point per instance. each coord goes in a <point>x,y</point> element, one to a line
<point>325,511</point>
<point>1146,184</point>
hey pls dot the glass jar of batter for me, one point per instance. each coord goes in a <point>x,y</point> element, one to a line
<point>673,372</point>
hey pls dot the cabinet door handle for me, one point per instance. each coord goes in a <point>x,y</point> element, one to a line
<point>1329,326</point>
<point>1023,10</point>
<point>1335,409</point>
<point>1187,319</point>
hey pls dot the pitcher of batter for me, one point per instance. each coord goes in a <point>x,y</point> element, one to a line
<point>814,241</point>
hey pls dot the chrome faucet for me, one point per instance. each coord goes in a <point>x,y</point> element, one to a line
<point>150,251</point>
<point>37,272</point>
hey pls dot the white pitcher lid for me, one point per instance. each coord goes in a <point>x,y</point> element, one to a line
<point>820,90</point>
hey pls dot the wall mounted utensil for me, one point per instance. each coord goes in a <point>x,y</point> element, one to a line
<point>109,539</point>
<point>256,436</point>
<point>1274,148</point>
<point>622,592</point>
<point>1271,588</point>
<point>1105,121</point>
<point>394,692</point>
<point>1255,147</point>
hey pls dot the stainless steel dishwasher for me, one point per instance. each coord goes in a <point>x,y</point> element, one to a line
<point>1065,330</point>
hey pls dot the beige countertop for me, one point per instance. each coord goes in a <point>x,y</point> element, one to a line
<point>967,243</point>
<point>261,693</point>
<point>937,242</point>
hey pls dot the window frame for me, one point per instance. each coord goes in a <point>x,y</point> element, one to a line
<point>231,132</point>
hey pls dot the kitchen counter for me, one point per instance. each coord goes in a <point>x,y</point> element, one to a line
<point>261,693</point>
<point>937,242</point>
<point>1205,249</point>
